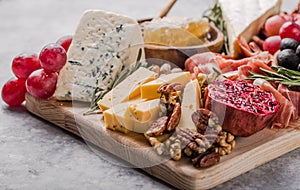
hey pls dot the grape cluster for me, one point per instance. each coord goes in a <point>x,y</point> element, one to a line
<point>283,33</point>
<point>36,74</point>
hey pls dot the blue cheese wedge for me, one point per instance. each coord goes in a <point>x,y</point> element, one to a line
<point>104,44</point>
<point>245,18</point>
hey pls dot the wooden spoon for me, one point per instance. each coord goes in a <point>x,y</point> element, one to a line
<point>164,12</point>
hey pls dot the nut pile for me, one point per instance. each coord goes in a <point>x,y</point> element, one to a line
<point>167,123</point>
<point>203,146</point>
<point>170,110</point>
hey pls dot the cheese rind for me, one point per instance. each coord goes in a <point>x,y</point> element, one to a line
<point>104,44</point>
<point>190,103</point>
<point>127,89</point>
<point>149,90</point>
<point>245,19</point>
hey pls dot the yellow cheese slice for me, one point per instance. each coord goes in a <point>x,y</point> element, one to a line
<point>132,124</point>
<point>145,111</point>
<point>120,118</point>
<point>190,103</point>
<point>110,119</point>
<point>149,90</point>
<point>127,89</point>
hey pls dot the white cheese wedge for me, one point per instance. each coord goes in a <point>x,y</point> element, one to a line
<point>244,18</point>
<point>127,89</point>
<point>190,103</point>
<point>149,90</point>
<point>104,44</point>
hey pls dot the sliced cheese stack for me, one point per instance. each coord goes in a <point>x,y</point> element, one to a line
<point>245,18</point>
<point>189,104</point>
<point>134,104</point>
<point>124,118</point>
<point>104,44</point>
<point>128,89</point>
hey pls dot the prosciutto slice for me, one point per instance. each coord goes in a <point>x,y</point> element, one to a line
<point>292,96</point>
<point>287,110</point>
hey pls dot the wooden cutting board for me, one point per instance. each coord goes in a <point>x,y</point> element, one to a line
<point>249,153</point>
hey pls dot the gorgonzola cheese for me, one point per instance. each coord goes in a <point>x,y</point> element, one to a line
<point>104,44</point>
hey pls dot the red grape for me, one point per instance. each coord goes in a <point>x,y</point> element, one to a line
<point>65,42</point>
<point>53,57</point>
<point>24,64</point>
<point>273,24</point>
<point>41,84</point>
<point>272,44</point>
<point>290,30</point>
<point>13,92</point>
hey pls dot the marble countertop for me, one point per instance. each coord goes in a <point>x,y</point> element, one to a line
<point>35,154</point>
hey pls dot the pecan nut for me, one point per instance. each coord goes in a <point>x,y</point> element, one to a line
<point>206,121</point>
<point>174,118</point>
<point>169,88</point>
<point>158,127</point>
<point>193,142</point>
<point>206,159</point>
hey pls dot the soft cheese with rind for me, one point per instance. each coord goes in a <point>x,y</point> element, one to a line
<point>245,18</point>
<point>104,44</point>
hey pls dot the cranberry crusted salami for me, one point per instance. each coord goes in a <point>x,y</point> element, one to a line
<point>245,108</point>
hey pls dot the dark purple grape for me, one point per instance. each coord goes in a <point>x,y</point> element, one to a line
<point>288,43</point>
<point>287,58</point>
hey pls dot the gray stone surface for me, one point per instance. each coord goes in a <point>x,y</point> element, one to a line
<point>35,154</point>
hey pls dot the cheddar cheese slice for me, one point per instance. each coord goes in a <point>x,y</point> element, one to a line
<point>149,90</point>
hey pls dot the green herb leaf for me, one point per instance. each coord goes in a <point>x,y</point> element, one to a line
<point>215,16</point>
<point>282,75</point>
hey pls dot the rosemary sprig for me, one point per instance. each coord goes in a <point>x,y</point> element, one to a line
<point>99,93</point>
<point>282,75</point>
<point>215,16</point>
<point>291,73</point>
